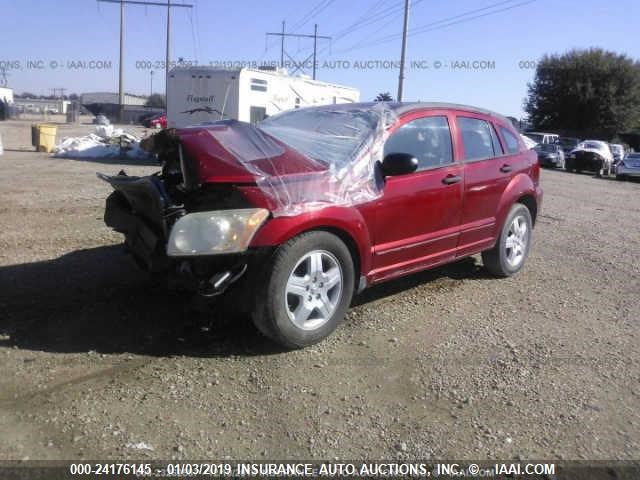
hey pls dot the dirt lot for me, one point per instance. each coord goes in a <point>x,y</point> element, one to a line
<point>98,361</point>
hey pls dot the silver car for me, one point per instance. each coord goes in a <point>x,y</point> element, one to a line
<point>628,167</point>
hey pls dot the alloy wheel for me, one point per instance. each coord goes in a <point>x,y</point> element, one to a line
<point>516,242</point>
<point>314,289</point>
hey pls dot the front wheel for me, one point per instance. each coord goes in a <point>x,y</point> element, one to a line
<point>508,255</point>
<point>308,290</point>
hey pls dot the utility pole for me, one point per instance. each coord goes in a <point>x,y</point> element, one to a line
<point>283,52</point>
<point>403,53</point>
<point>315,44</point>
<point>282,47</point>
<point>122,3</point>
<point>121,77</point>
<point>168,52</point>
<point>151,88</point>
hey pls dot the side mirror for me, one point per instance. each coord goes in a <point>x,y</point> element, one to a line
<point>399,164</point>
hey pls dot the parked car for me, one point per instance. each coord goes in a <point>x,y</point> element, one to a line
<point>567,144</point>
<point>617,151</point>
<point>550,155</point>
<point>528,142</point>
<point>540,137</point>
<point>101,120</point>
<point>156,121</point>
<point>290,217</point>
<point>628,167</point>
<point>592,155</point>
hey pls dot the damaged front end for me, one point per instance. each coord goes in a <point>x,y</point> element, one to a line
<point>197,234</point>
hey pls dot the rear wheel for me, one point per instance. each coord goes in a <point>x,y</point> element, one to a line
<point>512,248</point>
<point>308,290</point>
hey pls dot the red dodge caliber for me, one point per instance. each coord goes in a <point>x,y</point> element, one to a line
<point>288,218</point>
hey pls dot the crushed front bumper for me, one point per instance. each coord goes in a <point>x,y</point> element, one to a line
<point>141,209</point>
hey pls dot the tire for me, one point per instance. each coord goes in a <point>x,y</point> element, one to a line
<point>307,291</point>
<point>621,178</point>
<point>502,260</point>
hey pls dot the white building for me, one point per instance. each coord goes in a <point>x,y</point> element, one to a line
<point>204,94</point>
<point>41,105</point>
<point>111,98</point>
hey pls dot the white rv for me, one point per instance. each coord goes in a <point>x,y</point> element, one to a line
<point>206,94</point>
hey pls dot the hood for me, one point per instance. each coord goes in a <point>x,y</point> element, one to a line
<point>604,153</point>
<point>236,152</point>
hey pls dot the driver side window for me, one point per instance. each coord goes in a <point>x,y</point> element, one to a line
<point>428,139</point>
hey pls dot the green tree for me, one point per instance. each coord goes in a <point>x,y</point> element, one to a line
<point>384,97</point>
<point>587,93</point>
<point>156,100</point>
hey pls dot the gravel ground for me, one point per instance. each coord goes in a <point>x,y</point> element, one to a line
<point>100,361</point>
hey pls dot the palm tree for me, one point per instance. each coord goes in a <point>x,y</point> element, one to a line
<point>384,97</point>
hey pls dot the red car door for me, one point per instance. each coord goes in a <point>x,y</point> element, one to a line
<point>417,218</point>
<point>487,172</point>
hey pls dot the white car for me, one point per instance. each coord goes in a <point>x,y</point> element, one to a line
<point>540,137</point>
<point>593,155</point>
<point>629,166</point>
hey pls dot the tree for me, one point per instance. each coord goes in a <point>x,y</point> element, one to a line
<point>585,93</point>
<point>384,97</point>
<point>156,100</point>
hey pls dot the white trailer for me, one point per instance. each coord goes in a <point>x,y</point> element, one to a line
<point>205,94</point>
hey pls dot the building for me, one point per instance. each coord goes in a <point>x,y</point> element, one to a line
<point>204,94</point>
<point>108,104</point>
<point>41,105</point>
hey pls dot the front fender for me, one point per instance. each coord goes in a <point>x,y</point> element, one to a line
<point>347,220</point>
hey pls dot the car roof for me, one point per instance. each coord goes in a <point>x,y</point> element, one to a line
<point>401,108</point>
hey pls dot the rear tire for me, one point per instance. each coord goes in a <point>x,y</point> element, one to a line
<point>307,291</point>
<point>510,252</point>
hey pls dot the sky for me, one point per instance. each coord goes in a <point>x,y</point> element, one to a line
<point>485,61</point>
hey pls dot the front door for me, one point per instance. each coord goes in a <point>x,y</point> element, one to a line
<point>418,215</point>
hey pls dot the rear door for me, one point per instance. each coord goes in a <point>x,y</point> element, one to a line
<point>487,172</point>
<point>418,215</point>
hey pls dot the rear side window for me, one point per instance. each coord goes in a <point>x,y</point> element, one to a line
<point>479,139</point>
<point>428,139</point>
<point>510,139</point>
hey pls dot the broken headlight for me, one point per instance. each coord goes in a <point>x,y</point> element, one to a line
<point>210,233</point>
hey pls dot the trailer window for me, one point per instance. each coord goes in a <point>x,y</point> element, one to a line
<point>258,85</point>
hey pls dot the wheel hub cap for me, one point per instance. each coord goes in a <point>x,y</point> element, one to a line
<point>314,289</point>
<point>516,244</point>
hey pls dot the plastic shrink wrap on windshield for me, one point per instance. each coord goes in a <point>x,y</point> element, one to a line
<point>311,158</point>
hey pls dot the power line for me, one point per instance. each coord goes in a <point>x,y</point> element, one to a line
<point>443,23</point>
<point>323,4</point>
<point>122,3</point>
<point>392,12</point>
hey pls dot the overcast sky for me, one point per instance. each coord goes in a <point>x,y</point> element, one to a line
<point>44,42</point>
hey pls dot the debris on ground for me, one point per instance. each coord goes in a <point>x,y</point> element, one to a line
<point>106,142</point>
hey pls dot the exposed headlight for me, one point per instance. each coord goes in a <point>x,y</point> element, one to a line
<point>210,233</point>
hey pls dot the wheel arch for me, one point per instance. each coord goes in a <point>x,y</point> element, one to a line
<point>531,203</point>
<point>347,224</point>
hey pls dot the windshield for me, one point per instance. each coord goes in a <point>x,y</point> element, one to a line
<point>536,137</point>
<point>546,147</point>
<point>568,142</point>
<point>616,148</point>
<point>331,135</point>
<point>594,145</point>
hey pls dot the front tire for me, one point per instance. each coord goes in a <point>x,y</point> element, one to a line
<point>508,255</point>
<point>307,291</point>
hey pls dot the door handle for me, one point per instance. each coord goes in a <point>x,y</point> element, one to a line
<point>451,179</point>
<point>506,168</point>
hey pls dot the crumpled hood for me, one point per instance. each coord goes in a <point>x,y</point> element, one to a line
<point>607,155</point>
<point>236,152</point>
